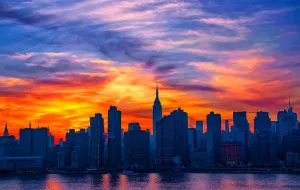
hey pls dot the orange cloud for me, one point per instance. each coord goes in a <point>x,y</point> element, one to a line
<point>213,67</point>
<point>250,63</point>
<point>104,62</point>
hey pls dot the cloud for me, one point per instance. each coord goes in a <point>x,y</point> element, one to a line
<point>212,67</point>
<point>253,62</point>
<point>193,87</point>
<point>39,66</point>
<point>165,68</point>
<point>72,80</point>
<point>21,16</point>
<point>104,62</point>
<point>110,43</point>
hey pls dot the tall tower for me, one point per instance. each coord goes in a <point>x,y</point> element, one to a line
<point>96,151</point>
<point>290,109</point>
<point>156,114</point>
<point>6,133</point>
<point>114,138</point>
<point>292,114</point>
<point>241,123</point>
<point>214,123</point>
<point>172,139</point>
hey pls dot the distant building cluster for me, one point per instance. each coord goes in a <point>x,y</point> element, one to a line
<point>172,144</point>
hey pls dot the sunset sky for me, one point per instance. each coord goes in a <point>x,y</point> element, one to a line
<point>63,61</point>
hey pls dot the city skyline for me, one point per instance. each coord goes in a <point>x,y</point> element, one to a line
<point>173,145</point>
<point>59,66</point>
<point>125,128</point>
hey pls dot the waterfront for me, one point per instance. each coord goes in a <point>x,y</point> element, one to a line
<point>151,181</point>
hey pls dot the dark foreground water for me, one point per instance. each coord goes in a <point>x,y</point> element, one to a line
<point>153,181</point>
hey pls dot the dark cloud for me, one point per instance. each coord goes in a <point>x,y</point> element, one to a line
<point>65,81</point>
<point>73,80</point>
<point>165,68</point>
<point>113,44</point>
<point>38,66</point>
<point>22,15</point>
<point>292,65</point>
<point>151,62</point>
<point>194,87</point>
<point>9,93</point>
<point>263,103</point>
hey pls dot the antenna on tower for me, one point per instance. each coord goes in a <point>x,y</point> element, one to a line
<point>290,100</point>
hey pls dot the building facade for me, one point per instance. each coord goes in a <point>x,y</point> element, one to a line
<point>242,128</point>
<point>156,115</point>
<point>262,124</point>
<point>214,138</point>
<point>172,139</point>
<point>136,147</point>
<point>192,139</point>
<point>231,152</point>
<point>96,145</point>
<point>114,138</point>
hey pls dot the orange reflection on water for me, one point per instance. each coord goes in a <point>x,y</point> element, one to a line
<point>54,184</point>
<point>154,180</point>
<point>228,183</point>
<point>123,182</point>
<point>106,181</point>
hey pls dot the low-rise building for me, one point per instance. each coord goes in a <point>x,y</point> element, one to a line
<point>231,152</point>
<point>292,160</point>
<point>199,159</point>
<point>21,163</point>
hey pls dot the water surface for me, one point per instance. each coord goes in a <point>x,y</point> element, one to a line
<point>169,181</point>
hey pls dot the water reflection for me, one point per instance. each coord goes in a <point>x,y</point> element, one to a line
<point>123,182</point>
<point>105,181</point>
<point>54,183</point>
<point>151,181</point>
<point>154,180</point>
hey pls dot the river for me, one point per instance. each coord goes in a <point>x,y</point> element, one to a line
<point>153,181</point>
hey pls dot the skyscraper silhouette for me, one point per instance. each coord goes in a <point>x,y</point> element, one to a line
<point>96,153</point>
<point>26,141</point>
<point>263,142</point>
<point>293,114</point>
<point>172,139</point>
<point>34,142</point>
<point>156,113</point>
<point>114,138</point>
<point>82,140</point>
<point>6,133</point>
<point>8,144</point>
<point>240,123</point>
<point>40,143</point>
<point>192,141</point>
<point>51,141</point>
<point>199,126</point>
<point>137,147</point>
<point>262,123</point>
<point>227,126</point>
<point>214,137</point>
<point>286,121</point>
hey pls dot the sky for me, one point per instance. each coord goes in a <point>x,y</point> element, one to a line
<point>63,61</point>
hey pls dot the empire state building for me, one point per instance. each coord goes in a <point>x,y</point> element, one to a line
<point>156,114</point>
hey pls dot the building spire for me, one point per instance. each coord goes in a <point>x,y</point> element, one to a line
<point>290,100</point>
<point>157,90</point>
<point>5,134</point>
